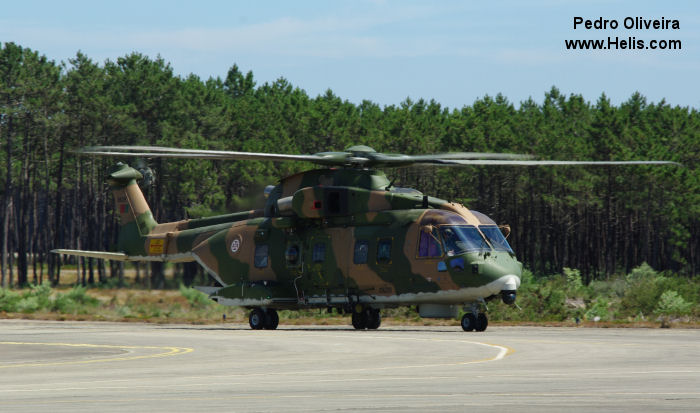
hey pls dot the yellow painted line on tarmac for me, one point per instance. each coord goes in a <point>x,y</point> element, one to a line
<point>503,351</point>
<point>166,352</point>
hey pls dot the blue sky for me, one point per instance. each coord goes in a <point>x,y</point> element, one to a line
<point>382,50</point>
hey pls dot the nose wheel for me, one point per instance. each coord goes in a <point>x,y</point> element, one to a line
<point>471,322</point>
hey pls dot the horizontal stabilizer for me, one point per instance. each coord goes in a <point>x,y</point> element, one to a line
<point>115,256</point>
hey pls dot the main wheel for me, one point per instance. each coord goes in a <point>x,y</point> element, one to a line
<point>374,319</point>
<point>257,319</point>
<point>468,322</point>
<point>481,322</point>
<point>359,320</point>
<point>272,319</point>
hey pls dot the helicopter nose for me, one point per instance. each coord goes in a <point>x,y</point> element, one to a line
<point>506,278</point>
<point>506,273</point>
<point>511,282</point>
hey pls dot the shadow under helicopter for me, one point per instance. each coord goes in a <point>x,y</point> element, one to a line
<point>281,329</point>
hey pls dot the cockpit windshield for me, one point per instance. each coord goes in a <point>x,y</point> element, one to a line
<point>496,238</point>
<point>458,239</point>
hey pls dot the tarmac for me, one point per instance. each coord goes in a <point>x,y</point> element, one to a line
<point>117,367</point>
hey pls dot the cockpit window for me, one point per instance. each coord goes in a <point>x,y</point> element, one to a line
<point>462,238</point>
<point>496,238</point>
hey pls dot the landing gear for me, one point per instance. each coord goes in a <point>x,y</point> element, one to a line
<point>272,319</point>
<point>257,319</point>
<point>374,319</point>
<point>481,322</point>
<point>267,319</point>
<point>359,320</point>
<point>468,322</point>
<point>474,319</point>
<point>368,318</point>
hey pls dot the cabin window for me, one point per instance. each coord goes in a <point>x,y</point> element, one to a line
<point>261,254</point>
<point>361,250</point>
<point>319,252</point>
<point>292,255</point>
<point>428,246</point>
<point>384,251</point>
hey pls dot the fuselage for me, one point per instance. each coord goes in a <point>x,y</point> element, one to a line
<point>387,258</point>
<point>332,238</point>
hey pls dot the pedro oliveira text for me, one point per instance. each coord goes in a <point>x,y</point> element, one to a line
<point>630,23</point>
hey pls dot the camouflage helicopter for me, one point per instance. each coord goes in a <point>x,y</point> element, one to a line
<point>341,237</point>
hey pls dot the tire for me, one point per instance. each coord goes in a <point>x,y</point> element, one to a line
<point>468,322</point>
<point>374,319</point>
<point>359,320</point>
<point>481,322</point>
<point>272,319</point>
<point>257,319</point>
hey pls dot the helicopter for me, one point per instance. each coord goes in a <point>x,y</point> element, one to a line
<point>341,237</point>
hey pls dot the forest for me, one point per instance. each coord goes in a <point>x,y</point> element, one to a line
<point>598,220</point>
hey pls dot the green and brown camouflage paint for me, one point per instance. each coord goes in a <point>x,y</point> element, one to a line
<point>323,215</point>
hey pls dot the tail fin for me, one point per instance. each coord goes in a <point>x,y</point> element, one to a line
<point>136,219</point>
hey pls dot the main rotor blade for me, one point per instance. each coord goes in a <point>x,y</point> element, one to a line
<point>466,155</point>
<point>478,162</point>
<point>162,152</point>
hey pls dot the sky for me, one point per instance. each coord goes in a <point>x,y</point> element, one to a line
<point>385,51</point>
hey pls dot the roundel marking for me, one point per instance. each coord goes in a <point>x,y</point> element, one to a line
<point>235,245</point>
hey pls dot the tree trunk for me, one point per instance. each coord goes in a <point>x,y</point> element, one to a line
<point>6,281</point>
